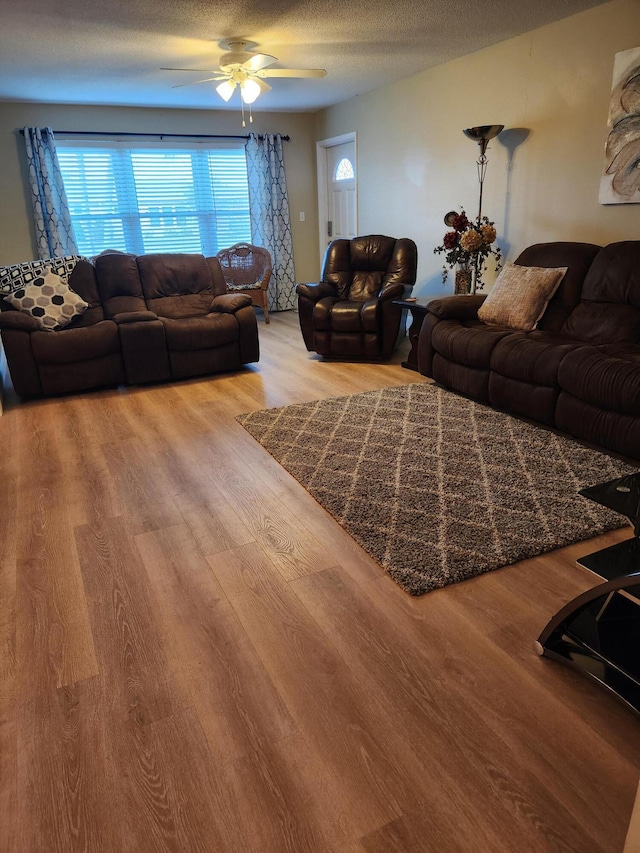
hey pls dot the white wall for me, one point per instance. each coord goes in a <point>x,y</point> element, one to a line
<point>554,82</point>
<point>16,230</point>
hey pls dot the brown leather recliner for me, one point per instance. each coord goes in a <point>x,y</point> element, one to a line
<point>350,312</point>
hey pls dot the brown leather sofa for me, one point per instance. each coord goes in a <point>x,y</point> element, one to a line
<point>578,371</point>
<point>151,318</point>
<point>350,312</point>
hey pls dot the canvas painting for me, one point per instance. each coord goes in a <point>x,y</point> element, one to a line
<point>620,181</point>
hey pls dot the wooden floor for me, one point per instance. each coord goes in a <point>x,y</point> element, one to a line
<point>195,657</point>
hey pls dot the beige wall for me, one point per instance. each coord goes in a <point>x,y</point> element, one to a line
<point>415,164</point>
<point>16,232</point>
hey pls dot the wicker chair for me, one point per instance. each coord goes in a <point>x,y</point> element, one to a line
<point>247,268</point>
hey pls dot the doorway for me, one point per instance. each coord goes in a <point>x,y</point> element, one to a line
<point>337,189</point>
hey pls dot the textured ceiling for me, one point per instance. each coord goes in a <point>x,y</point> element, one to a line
<point>111,51</point>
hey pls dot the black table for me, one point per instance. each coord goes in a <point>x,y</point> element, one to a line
<point>598,632</point>
<point>623,496</point>
<point>418,308</point>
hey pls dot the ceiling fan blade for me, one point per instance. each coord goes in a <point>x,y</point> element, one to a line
<point>258,61</point>
<point>264,87</point>
<point>293,72</point>
<point>196,70</point>
<point>195,82</point>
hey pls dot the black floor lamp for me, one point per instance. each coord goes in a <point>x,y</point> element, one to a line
<point>482,135</point>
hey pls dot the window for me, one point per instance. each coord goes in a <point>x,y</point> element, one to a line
<point>344,170</point>
<point>141,198</point>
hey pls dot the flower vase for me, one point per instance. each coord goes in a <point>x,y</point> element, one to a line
<point>463,280</point>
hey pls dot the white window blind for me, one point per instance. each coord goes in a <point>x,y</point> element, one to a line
<point>187,197</point>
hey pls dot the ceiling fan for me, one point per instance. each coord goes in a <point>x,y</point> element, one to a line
<point>241,67</point>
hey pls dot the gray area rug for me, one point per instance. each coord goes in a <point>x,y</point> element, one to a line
<point>437,488</point>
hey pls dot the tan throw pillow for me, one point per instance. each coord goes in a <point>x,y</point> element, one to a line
<point>520,295</point>
<point>49,299</point>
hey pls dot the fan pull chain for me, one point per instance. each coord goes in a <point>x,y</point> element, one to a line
<point>244,124</point>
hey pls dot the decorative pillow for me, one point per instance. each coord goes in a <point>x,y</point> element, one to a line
<point>237,287</point>
<point>18,276</point>
<point>520,295</point>
<point>50,300</point>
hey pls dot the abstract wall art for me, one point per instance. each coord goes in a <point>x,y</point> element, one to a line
<point>620,181</point>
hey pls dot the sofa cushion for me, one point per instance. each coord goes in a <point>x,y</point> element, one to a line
<point>532,357</point>
<point>471,381</point>
<point>119,283</point>
<point>83,280</point>
<point>194,333</point>
<point>529,399</point>
<point>322,311</point>
<point>354,316</point>
<point>520,295</point>
<point>577,257</point>
<point>365,285</point>
<point>607,376</point>
<point>469,343</point>
<point>49,299</point>
<point>614,430</point>
<point>604,322</point>
<point>88,318</point>
<point>614,275</point>
<point>610,307</point>
<point>230,303</point>
<point>76,345</point>
<point>174,275</point>
<point>181,307</point>
<point>456,307</point>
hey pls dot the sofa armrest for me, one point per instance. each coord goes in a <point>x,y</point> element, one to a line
<point>134,317</point>
<point>229,303</point>
<point>392,291</point>
<point>20,321</point>
<point>456,307</point>
<point>316,290</point>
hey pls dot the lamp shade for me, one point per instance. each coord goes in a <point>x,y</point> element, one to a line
<point>225,90</point>
<point>485,132</point>
<point>250,90</point>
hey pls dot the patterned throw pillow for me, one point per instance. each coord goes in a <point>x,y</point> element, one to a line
<point>18,276</point>
<point>50,300</point>
<point>520,295</point>
<point>237,287</point>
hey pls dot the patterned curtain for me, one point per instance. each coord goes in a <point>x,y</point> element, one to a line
<point>54,232</point>
<point>270,222</point>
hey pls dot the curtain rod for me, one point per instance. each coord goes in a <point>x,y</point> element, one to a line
<point>160,135</point>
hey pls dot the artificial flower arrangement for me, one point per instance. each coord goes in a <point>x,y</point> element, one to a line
<point>469,245</point>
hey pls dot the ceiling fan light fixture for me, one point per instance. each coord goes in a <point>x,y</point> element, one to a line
<point>250,90</point>
<point>241,68</point>
<point>226,89</point>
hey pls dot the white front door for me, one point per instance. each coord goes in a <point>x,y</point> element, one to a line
<point>337,190</point>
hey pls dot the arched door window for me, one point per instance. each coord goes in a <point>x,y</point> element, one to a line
<point>344,170</point>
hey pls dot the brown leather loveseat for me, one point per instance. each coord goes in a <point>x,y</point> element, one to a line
<point>578,370</point>
<point>151,317</point>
